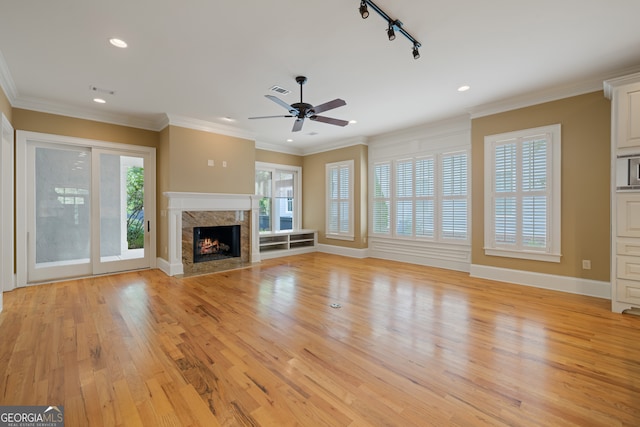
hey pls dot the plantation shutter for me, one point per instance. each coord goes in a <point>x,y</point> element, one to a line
<point>334,203</point>
<point>505,206</point>
<point>425,198</point>
<point>382,198</point>
<point>534,194</point>
<point>344,197</point>
<point>340,200</point>
<point>404,198</point>
<point>454,196</point>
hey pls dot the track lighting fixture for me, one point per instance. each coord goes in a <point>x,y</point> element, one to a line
<point>393,25</point>
<point>391,34</point>
<point>364,12</point>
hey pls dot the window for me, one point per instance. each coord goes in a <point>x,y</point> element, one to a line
<point>522,194</point>
<point>422,197</point>
<point>340,200</point>
<point>279,206</point>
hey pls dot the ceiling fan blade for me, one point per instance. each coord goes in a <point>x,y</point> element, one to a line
<point>283,104</point>
<point>329,120</point>
<point>329,105</point>
<point>269,117</point>
<point>297,125</point>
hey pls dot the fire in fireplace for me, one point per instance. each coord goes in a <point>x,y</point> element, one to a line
<point>215,243</point>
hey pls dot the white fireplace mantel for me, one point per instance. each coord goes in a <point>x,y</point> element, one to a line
<point>179,202</point>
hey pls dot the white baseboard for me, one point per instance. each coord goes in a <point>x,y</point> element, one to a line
<point>573,285</point>
<point>168,269</point>
<point>341,250</point>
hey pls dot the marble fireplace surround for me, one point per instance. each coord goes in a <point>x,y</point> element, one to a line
<point>197,204</point>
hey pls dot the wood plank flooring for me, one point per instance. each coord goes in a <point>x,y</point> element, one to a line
<point>262,346</point>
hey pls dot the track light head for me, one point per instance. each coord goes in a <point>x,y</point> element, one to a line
<point>416,53</point>
<point>364,11</point>
<point>390,33</point>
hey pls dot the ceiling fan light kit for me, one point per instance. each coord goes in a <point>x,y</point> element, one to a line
<point>302,110</point>
<point>393,25</point>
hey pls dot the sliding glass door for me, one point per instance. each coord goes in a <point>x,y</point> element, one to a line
<point>121,215</point>
<point>88,208</point>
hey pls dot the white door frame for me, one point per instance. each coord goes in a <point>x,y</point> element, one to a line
<point>23,139</point>
<point>6,207</point>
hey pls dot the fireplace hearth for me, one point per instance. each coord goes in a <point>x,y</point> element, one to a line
<point>216,243</point>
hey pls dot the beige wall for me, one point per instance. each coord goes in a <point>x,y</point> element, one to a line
<point>313,193</point>
<point>189,152</point>
<point>279,158</point>
<point>162,185</point>
<point>5,105</point>
<point>586,134</point>
<point>35,121</point>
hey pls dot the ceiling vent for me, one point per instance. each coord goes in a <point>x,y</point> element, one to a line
<point>280,90</point>
<point>101,90</point>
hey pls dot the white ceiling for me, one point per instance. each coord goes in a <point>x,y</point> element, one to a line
<point>200,61</point>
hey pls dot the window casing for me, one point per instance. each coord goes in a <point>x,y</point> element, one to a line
<point>422,198</point>
<point>339,184</point>
<point>280,202</point>
<point>522,194</point>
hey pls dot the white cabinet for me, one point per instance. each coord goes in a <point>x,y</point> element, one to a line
<point>283,243</point>
<point>624,93</point>
<point>628,214</point>
<point>627,291</point>
<point>629,117</point>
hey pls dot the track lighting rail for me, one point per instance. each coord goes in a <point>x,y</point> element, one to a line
<point>393,24</point>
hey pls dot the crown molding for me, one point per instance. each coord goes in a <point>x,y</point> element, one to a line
<point>206,126</point>
<point>442,128</point>
<point>359,140</point>
<point>6,81</point>
<point>35,104</point>
<point>551,94</point>
<point>611,84</point>
<point>278,148</point>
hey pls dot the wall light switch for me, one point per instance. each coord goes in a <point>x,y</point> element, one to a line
<point>224,163</point>
<point>210,162</point>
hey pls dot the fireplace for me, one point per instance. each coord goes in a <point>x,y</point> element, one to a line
<point>216,243</point>
<point>186,211</point>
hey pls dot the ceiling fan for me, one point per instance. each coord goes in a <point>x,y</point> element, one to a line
<point>302,110</point>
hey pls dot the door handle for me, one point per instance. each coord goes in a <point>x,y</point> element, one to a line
<point>148,226</point>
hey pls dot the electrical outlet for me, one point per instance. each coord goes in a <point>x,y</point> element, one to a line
<point>586,264</point>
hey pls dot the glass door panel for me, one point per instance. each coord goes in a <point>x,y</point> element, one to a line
<point>60,240</point>
<point>122,224</point>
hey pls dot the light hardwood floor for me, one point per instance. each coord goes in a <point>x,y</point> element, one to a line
<point>262,346</point>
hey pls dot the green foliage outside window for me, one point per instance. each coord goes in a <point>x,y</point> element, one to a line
<point>135,207</point>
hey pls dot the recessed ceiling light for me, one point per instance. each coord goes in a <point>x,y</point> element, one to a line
<point>118,43</point>
<point>353,122</point>
<point>99,100</point>
<point>289,140</point>
<point>464,88</point>
<point>228,119</point>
